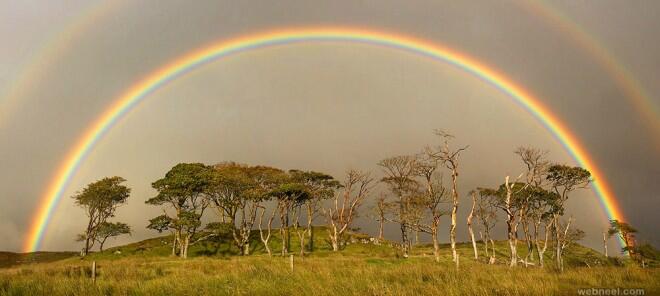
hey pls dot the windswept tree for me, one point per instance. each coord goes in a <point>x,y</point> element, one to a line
<point>626,233</point>
<point>542,204</point>
<point>288,194</point>
<point>100,200</point>
<point>450,158</point>
<point>266,179</point>
<point>399,176</point>
<point>344,206</point>
<point>320,186</point>
<point>231,192</point>
<point>108,229</point>
<point>564,179</point>
<point>183,192</point>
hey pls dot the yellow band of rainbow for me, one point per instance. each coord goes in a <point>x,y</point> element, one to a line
<point>136,93</point>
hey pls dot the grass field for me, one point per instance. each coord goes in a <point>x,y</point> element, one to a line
<point>145,268</point>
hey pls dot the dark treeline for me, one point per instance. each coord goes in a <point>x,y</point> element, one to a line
<point>239,198</point>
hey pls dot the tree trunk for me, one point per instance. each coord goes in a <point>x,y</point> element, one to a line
<point>436,245</point>
<point>558,243</point>
<point>310,230</point>
<point>454,210</point>
<point>381,226</point>
<point>469,225</point>
<point>605,243</point>
<point>404,239</point>
<point>510,216</point>
<point>528,240</point>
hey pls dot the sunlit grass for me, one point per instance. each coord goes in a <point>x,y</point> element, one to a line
<point>146,268</point>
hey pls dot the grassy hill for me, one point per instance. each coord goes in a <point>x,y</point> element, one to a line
<point>145,268</point>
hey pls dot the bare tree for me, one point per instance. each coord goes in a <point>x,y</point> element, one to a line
<point>450,158</point>
<point>399,176</point>
<point>432,198</point>
<point>379,212</point>
<point>345,205</point>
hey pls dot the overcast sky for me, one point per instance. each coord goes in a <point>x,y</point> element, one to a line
<point>325,106</point>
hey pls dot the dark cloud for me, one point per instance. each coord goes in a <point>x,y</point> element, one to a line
<point>326,106</point>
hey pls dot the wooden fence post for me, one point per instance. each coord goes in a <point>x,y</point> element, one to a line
<point>93,271</point>
<point>291,261</point>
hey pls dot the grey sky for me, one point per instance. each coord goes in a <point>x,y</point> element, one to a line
<point>321,106</point>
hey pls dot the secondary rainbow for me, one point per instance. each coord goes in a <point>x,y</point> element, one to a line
<point>140,90</point>
<point>647,107</point>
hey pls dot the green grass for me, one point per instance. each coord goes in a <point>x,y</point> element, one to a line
<point>145,268</point>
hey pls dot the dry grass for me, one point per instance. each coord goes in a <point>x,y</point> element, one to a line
<point>329,275</point>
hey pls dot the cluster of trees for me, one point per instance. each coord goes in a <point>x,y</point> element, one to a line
<point>239,194</point>
<point>243,197</point>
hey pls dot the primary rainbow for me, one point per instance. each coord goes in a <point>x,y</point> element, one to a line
<point>136,93</point>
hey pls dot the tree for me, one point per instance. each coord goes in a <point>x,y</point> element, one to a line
<point>450,158</point>
<point>537,167</point>
<point>344,206</point>
<point>100,200</point>
<point>379,213</point>
<point>564,180</point>
<point>511,202</point>
<point>288,194</point>
<point>469,223</point>
<point>542,204</point>
<point>231,193</point>
<point>266,237</point>
<point>107,230</point>
<point>431,199</point>
<point>321,187</point>
<point>626,233</point>
<point>183,190</point>
<point>487,201</point>
<point>399,176</point>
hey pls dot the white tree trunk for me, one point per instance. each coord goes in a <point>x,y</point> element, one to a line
<point>469,225</point>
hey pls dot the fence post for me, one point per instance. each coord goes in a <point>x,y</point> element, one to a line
<point>291,261</point>
<point>93,271</point>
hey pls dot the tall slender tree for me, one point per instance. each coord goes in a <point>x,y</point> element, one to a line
<point>450,158</point>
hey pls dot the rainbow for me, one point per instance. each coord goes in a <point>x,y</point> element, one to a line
<point>182,65</point>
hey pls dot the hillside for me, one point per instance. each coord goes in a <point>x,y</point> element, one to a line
<point>223,247</point>
<point>361,268</point>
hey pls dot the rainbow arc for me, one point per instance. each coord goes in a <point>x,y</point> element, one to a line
<point>122,105</point>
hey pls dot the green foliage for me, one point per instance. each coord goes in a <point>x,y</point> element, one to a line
<point>160,223</point>
<point>108,229</point>
<point>566,178</point>
<point>103,195</point>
